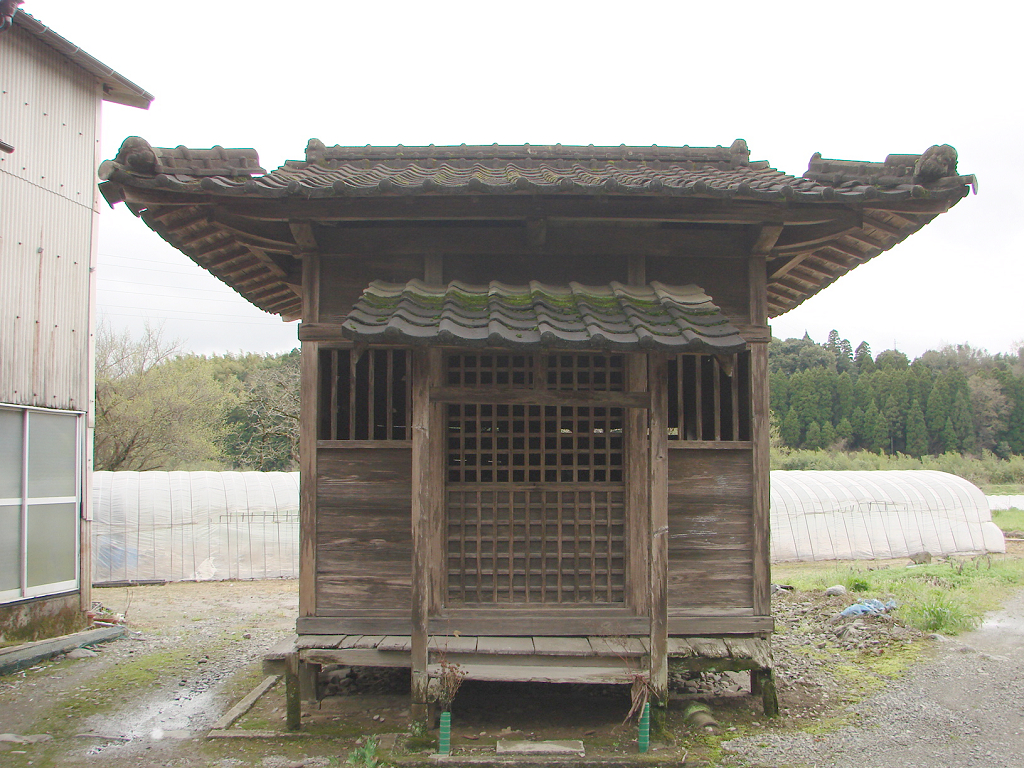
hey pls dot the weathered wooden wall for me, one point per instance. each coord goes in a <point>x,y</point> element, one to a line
<point>343,278</point>
<point>710,532</point>
<point>364,543</point>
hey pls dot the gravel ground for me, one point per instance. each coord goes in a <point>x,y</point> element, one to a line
<point>960,708</point>
<point>193,650</point>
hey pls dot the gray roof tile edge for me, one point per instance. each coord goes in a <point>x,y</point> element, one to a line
<point>825,181</point>
<point>390,312</point>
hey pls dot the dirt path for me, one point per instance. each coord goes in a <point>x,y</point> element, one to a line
<point>191,651</point>
<point>962,708</point>
<point>194,649</point>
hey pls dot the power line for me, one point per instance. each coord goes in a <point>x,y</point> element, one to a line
<point>212,319</point>
<point>161,311</point>
<point>239,301</point>
<point>161,285</point>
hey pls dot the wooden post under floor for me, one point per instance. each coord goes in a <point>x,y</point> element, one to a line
<point>658,384</point>
<point>292,694</point>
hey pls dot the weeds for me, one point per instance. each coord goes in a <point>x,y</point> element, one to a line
<point>365,756</point>
<point>938,612</point>
<point>449,682</point>
<point>947,597</point>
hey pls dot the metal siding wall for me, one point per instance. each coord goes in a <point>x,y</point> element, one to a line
<point>48,112</point>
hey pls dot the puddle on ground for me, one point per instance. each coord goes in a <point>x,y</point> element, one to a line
<point>170,715</point>
<point>1001,632</point>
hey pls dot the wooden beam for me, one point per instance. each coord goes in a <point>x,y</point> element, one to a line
<point>757,282</point>
<point>900,228</point>
<point>813,266</point>
<point>427,488</point>
<point>518,238</point>
<point>760,480</point>
<point>657,382</point>
<point>637,457</point>
<point>786,266</point>
<point>767,236</point>
<point>849,250</point>
<point>433,270</point>
<point>302,231</point>
<point>438,455</point>
<point>274,235</point>
<point>636,270</point>
<point>860,237</point>
<point>588,208</point>
<point>235,263</point>
<point>221,244</point>
<point>801,238</point>
<point>801,287</point>
<point>540,397</point>
<point>564,621</point>
<point>309,399</point>
<point>913,206</point>
<point>293,697</point>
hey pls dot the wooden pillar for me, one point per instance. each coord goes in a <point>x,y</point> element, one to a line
<point>427,487</point>
<point>636,269</point>
<point>760,436</point>
<point>309,366</point>
<point>657,381</point>
<point>292,695</point>
<point>638,486</point>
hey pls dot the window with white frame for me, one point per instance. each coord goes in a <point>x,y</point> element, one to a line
<point>40,499</point>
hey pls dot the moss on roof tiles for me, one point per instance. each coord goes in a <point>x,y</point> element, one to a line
<point>591,316</point>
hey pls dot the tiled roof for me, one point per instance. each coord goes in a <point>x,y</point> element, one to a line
<point>137,156</point>
<point>610,317</point>
<point>245,226</point>
<point>723,172</point>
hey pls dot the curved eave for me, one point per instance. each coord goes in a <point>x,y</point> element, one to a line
<point>278,186</point>
<point>261,278</point>
<point>795,277</point>
<point>263,269</point>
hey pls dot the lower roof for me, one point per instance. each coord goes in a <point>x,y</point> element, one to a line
<point>611,317</point>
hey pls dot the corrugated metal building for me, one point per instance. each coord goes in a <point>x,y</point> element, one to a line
<point>50,101</point>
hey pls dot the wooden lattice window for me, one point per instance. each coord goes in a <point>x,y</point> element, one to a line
<point>365,395</point>
<point>709,397</point>
<point>535,494</point>
<point>503,371</point>
<point>534,444</point>
<point>536,545</point>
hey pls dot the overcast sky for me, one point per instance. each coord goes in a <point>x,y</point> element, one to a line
<point>852,81</point>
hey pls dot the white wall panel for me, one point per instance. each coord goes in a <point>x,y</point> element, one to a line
<point>49,114</point>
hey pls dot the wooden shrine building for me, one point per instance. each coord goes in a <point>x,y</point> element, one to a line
<point>534,383</point>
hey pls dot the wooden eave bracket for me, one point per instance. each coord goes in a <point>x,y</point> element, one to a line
<point>304,236</point>
<point>254,233</point>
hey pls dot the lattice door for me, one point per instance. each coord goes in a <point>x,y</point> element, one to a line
<point>535,495</point>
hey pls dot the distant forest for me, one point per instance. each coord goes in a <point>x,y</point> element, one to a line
<point>833,406</point>
<point>954,400</point>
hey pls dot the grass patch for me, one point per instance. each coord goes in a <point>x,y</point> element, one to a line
<point>1005,489</point>
<point>1009,519</point>
<point>948,597</point>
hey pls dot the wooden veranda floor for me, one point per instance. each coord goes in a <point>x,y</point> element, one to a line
<point>596,659</point>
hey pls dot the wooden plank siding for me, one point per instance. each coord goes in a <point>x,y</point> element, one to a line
<point>710,532</point>
<point>364,534</point>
